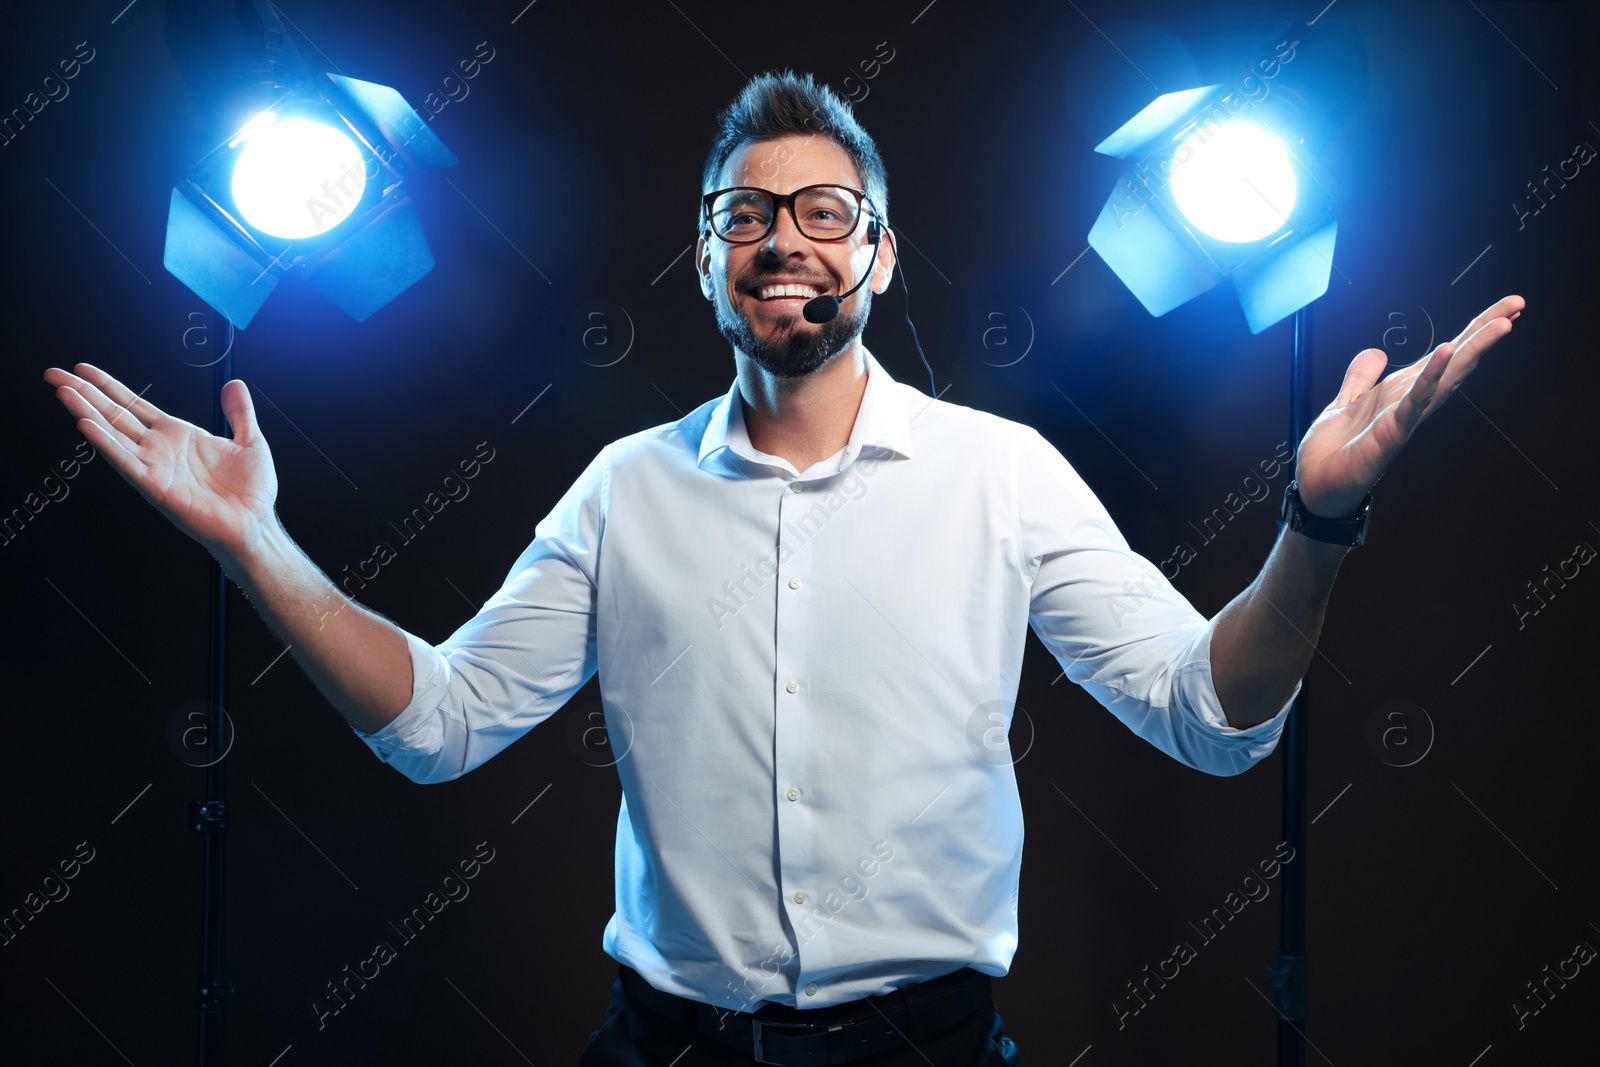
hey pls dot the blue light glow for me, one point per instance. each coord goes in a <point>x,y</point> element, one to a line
<point>297,179</point>
<point>253,127</point>
<point>1234,182</point>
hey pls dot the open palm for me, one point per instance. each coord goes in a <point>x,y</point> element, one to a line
<point>1362,431</point>
<point>218,491</point>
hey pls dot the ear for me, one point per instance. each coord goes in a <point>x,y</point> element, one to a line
<point>702,264</point>
<point>883,272</point>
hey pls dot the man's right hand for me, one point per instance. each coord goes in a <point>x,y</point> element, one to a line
<point>218,491</point>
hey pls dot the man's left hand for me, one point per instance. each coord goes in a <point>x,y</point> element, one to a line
<point>1357,436</point>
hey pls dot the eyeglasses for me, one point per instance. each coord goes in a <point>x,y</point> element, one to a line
<point>745,214</point>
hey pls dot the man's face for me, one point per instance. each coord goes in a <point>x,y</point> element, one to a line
<point>770,329</point>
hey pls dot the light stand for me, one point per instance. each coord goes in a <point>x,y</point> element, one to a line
<point>1290,978</point>
<point>208,816</point>
<point>228,242</point>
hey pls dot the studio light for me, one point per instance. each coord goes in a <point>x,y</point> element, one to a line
<point>1220,185</point>
<point>1239,187</point>
<point>313,185</point>
<point>296,179</point>
<point>1216,189</point>
<point>311,180</point>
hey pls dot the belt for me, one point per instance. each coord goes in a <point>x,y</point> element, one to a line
<point>777,1034</point>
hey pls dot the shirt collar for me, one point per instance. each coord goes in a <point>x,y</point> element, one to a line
<point>881,425</point>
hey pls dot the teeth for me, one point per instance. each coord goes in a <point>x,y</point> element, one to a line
<point>772,292</point>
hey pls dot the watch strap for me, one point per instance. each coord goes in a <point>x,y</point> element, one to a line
<point>1348,532</point>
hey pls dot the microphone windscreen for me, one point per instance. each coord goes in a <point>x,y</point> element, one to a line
<point>821,309</point>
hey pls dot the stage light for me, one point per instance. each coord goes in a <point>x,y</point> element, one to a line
<point>1219,186</point>
<point>314,185</point>
<point>1237,185</point>
<point>297,179</point>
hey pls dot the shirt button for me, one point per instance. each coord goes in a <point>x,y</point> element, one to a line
<point>795,486</point>
<point>793,687</point>
<point>794,583</point>
<point>811,989</point>
<point>799,896</point>
<point>793,794</point>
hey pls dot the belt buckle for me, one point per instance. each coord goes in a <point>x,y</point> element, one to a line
<point>813,1046</point>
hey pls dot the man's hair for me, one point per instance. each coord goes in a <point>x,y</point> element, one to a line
<point>780,103</point>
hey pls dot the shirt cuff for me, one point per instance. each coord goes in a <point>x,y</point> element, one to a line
<point>1240,747</point>
<point>417,728</point>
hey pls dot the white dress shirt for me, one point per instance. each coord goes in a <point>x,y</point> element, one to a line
<point>808,677</point>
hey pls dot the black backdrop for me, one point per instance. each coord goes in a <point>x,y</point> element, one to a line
<point>1438,888</point>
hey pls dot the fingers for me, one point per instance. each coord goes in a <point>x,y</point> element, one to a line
<point>1507,307</point>
<point>241,413</point>
<point>1479,340</point>
<point>1479,336</point>
<point>107,444</point>
<point>1362,375</point>
<point>116,403</point>
<point>1414,405</point>
<point>87,414</point>
<point>120,394</point>
<point>1473,343</point>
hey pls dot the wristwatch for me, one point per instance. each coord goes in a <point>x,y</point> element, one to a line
<point>1348,532</point>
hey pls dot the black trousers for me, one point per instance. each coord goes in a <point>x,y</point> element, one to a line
<point>664,1033</point>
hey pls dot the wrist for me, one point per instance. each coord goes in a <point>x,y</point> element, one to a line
<point>263,542</point>
<point>1347,531</point>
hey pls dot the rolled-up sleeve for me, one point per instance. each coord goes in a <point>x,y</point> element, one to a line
<point>518,660</point>
<point>1118,627</point>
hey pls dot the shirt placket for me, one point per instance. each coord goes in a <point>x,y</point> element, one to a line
<point>792,744</point>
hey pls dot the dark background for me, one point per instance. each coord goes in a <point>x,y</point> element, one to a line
<point>1438,889</point>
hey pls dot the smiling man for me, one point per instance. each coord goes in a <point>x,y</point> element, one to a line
<point>820,838</point>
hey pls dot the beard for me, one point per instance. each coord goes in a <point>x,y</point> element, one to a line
<point>791,351</point>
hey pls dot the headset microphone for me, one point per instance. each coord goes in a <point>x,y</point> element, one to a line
<point>826,308</point>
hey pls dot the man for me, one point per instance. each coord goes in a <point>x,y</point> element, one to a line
<point>807,603</point>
